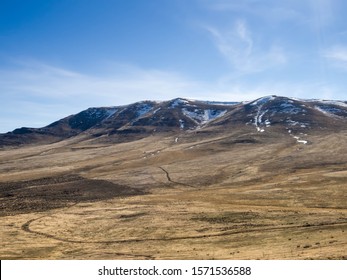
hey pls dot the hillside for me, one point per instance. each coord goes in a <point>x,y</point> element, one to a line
<point>180,179</point>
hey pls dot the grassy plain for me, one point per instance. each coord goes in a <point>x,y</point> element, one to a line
<point>210,196</point>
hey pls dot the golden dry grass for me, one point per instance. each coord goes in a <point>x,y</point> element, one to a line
<point>204,197</point>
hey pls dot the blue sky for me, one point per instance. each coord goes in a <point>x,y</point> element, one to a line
<point>58,57</point>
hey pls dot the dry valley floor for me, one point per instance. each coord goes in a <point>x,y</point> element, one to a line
<point>191,196</point>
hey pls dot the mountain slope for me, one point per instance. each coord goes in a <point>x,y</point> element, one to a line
<point>126,123</point>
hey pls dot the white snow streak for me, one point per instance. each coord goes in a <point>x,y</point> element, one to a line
<point>203,116</point>
<point>298,139</point>
<point>258,118</point>
<point>178,102</point>
<point>110,112</point>
<point>181,123</point>
<point>144,109</point>
<point>327,112</point>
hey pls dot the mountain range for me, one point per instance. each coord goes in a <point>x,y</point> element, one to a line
<point>179,179</point>
<point>270,114</point>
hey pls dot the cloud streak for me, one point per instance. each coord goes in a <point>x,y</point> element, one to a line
<point>316,12</point>
<point>337,56</point>
<point>46,81</point>
<point>238,47</point>
<point>36,93</point>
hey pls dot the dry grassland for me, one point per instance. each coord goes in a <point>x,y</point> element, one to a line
<point>259,197</point>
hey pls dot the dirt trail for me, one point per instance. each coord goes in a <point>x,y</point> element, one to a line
<point>26,227</point>
<point>175,182</point>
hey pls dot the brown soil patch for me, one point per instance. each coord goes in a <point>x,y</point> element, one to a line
<point>56,192</point>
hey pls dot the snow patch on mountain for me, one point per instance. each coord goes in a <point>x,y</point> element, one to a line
<point>201,116</point>
<point>337,103</point>
<point>156,110</point>
<point>181,124</point>
<point>220,103</point>
<point>258,117</point>
<point>327,102</point>
<point>263,100</point>
<point>143,109</point>
<point>297,138</point>
<point>177,102</point>
<point>98,113</point>
<point>329,111</point>
<point>110,112</point>
<point>289,108</point>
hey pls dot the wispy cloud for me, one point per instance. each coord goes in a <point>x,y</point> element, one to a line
<point>36,93</point>
<point>126,83</point>
<point>310,15</point>
<point>272,10</point>
<point>322,12</point>
<point>337,56</point>
<point>318,12</point>
<point>238,47</point>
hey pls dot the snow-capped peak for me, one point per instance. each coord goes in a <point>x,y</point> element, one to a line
<point>263,100</point>
<point>178,101</point>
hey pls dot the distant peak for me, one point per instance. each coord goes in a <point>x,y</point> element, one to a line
<point>263,100</point>
<point>180,99</point>
<point>223,103</point>
<point>177,102</point>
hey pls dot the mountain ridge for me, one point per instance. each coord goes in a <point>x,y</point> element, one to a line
<point>181,115</point>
